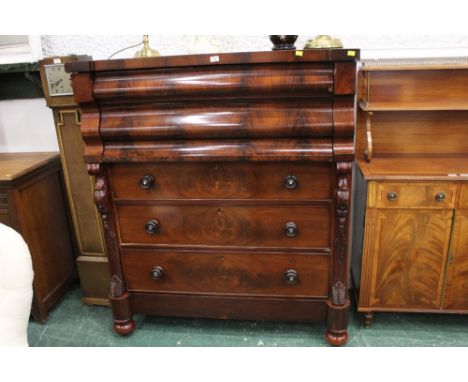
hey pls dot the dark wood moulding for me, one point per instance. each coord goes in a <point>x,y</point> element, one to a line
<point>325,55</point>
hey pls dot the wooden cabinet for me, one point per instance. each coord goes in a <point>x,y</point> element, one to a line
<point>92,259</point>
<point>32,201</point>
<point>411,255</point>
<point>405,257</point>
<point>224,183</point>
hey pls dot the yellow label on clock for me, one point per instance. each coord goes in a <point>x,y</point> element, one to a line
<point>351,53</point>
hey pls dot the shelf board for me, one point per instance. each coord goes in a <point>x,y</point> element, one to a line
<point>375,68</point>
<point>380,106</point>
<point>417,168</point>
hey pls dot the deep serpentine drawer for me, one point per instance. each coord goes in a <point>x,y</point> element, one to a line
<point>230,81</point>
<point>222,224</point>
<point>227,273</point>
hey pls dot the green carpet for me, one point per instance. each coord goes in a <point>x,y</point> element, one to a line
<point>72,324</point>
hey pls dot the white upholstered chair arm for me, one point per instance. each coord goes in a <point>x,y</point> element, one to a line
<point>16,277</point>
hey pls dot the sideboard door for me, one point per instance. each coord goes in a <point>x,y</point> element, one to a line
<point>407,258</point>
<point>456,290</point>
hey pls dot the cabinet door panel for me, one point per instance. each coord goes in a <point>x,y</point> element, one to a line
<point>456,290</point>
<point>409,255</point>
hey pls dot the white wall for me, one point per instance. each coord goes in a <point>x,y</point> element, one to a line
<point>27,125</point>
<point>101,47</point>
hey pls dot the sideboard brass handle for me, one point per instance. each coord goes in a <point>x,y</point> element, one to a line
<point>392,196</point>
<point>157,273</point>
<point>152,227</point>
<point>146,181</point>
<point>291,182</point>
<point>440,197</point>
<point>291,229</point>
<point>291,276</point>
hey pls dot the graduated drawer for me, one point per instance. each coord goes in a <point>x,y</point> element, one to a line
<point>227,273</point>
<point>223,180</point>
<point>221,224</point>
<point>408,195</point>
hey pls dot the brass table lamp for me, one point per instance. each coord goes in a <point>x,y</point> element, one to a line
<point>146,51</point>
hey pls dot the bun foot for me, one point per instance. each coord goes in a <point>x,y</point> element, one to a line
<point>336,339</point>
<point>368,318</point>
<point>124,328</point>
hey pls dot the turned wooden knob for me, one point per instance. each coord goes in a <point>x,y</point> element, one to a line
<point>146,181</point>
<point>291,229</point>
<point>440,197</point>
<point>157,273</point>
<point>152,227</point>
<point>291,182</point>
<point>291,276</point>
<point>392,196</point>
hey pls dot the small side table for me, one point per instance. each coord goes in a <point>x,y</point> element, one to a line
<point>32,201</point>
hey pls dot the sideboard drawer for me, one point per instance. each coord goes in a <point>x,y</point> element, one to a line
<point>417,195</point>
<point>464,196</point>
<point>225,225</point>
<point>227,273</point>
<point>289,181</point>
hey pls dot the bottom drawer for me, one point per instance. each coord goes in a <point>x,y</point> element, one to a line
<point>273,274</point>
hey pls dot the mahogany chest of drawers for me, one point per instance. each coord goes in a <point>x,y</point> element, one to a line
<point>224,183</point>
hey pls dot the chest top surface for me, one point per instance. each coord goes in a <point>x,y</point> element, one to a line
<point>289,56</point>
<point>15,165</point>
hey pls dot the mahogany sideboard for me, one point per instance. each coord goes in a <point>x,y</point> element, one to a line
<point>224,183</point>
<point>32,202</point>
<point>412,187</point>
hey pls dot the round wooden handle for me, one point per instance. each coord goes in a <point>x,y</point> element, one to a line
<point>152,227</point>
<point>291,182</point>
<point>440,197</point>
<point>157,273</point>
<point>291,276</point>
<point>291,229</point>
<point>392,196</point>
<point>146,181</point>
